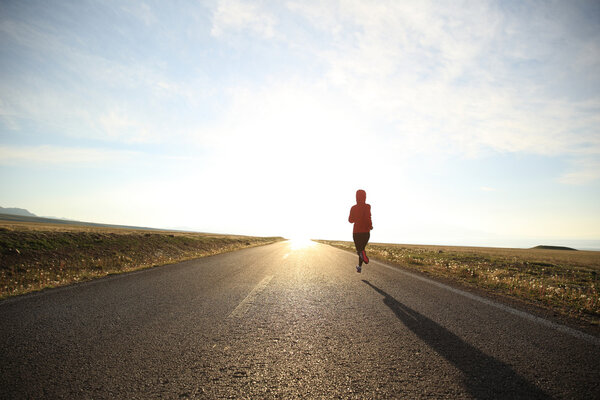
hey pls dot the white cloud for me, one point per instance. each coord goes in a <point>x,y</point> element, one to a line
<point>582,171</point>
<point>240,15</point>
<point>140,10</point>
<point>77,115</point>
<point>28,36</point>
<point>120,126</point>
<point>57,155</point>
<point>447,76</point>
<point>85,94</point>
<point>7,115</point>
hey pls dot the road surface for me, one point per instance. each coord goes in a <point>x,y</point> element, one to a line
<point>284,322</point>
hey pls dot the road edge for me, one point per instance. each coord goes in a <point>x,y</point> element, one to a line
<point>531,312</point>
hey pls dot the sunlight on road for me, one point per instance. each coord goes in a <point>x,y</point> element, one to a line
<point>300,243</point>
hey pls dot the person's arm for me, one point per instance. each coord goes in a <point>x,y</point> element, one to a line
<point>351,218</point>
<point>370,221</point>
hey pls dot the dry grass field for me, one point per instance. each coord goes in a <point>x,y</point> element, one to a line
<point>565,281</point>
<point>35,256</point>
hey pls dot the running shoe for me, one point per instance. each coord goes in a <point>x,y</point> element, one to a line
<point>364,256</point>
<point>358,268</point>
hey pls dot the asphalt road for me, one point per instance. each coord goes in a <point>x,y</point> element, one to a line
<point>284,322</point>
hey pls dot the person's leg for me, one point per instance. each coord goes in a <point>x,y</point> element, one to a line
<point>363,253</point>
<point>358,244</point>
<point>360,241</point>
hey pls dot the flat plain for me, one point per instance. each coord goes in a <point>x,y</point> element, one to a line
<point>35,256</point>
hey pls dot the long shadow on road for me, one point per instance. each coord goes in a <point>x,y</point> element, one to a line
<point>485,376</point>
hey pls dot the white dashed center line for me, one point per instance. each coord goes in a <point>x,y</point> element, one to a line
<point>243,307</point>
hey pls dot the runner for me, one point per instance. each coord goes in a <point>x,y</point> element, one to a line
<point>360,216</point>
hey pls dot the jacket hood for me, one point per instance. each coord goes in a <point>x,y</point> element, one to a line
<point>361,196</point>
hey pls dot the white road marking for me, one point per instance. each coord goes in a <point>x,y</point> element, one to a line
<point>245,304</point>
<point>522,314</point>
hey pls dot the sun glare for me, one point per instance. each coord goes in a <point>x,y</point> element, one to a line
<point>298,243</point>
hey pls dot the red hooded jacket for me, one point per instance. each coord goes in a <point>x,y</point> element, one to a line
<point>360,214</point>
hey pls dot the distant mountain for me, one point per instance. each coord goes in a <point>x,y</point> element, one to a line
<point>544,247</point>
<point>6,216</point>
<point>16,211</point>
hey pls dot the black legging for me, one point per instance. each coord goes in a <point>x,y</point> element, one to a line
<point>360,241</point>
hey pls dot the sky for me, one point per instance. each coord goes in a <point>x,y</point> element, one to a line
<point>466,122</point>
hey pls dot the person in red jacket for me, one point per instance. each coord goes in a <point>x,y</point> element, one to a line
<point>360,216</point>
